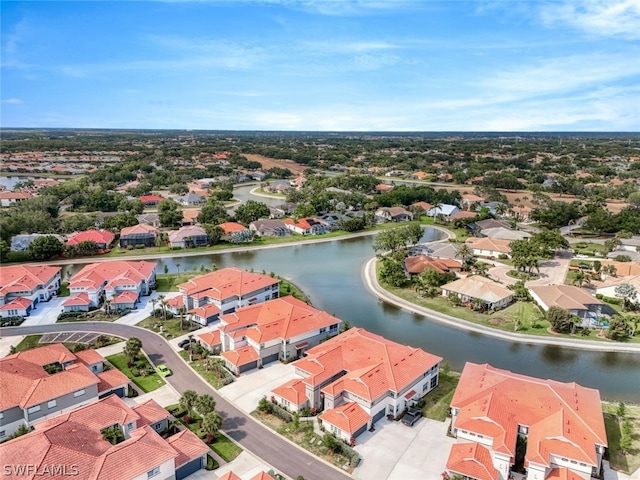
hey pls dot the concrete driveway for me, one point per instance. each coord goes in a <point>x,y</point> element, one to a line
<point>144,309</point>
<point>396,452</point>
<point>250,387</point>
<point>552,272</point>
<point>46,313</point>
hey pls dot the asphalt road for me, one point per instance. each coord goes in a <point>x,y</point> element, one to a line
<point>253,436</point>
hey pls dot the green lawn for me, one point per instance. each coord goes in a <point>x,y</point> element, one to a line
<point>436,404</point>
<point>64,289</point>
<point>28,342</point>
<point>146,383</point>
<point>31,341</point>
<point>630,462</point>
<point>211,376</point>
<point>168,282</point>
<point>224,447</point>
<point>171,327</point>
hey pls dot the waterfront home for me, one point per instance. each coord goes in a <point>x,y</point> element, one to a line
<point>573,299</point>
<point>356,379</point>
<point>141,234</point>
<point>443,209</point>
<point>307,226</point>
<point>20,243</point>
<point>417,264</point>
<point>501,233</point>
<point>279,329</point>
<point>42,382</point>
<point>442,250</point>
<point>480,225</point>
<point>190,199</point>
<point>223,291</point>
<point>120,282</point>
<point>23,287</point>
<point>269,228</point>
<point>477,288</point>
<point>393,214</point>
<point>9,198</point>
<point>554,430</point>
<point>76,441</point>
<point>188,237</point>
<point>102,238</point>
<point>235,232</point>
<point>422,207</point>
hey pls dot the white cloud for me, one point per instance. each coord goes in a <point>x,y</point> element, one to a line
<point>595,17</point>
<point>12,101</point>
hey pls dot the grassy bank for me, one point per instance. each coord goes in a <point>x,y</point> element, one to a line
<point>436,404</point>
<point>627,462</point>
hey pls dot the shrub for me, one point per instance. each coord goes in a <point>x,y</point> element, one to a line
<point>612,300</point>
<point>622,258</point>
<point>139,247</point>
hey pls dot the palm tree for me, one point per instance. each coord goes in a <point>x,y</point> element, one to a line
<point>580,278</point>
<point>178,267</point>
<point>205,404</point>
<point>107,307</point>
<point>211,424</point>
<point>154,302</point>
<point>464,253</point>
<point>163,304</point>
<point>181,311</point>
<point>188,400</point>
<point>132,349</point>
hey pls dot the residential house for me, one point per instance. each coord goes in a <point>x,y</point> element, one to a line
<point>140,234</point>
<point>609,286</point>
<point>333,220</point>
<point>189,237</point>
<point>462,215</point>
<point>269,228</point>
<point>277,186</point>
<point>623,269</point>
<point>489,247</point>
<point>211,341</point>
<point>190,199</point>
<point>151,218</point>
<point>356,379</point>
<point>442,250</point>
<point>417,264</point>
<point>477,288</point>
<point>151,200</point>
<point>444,178</point>
<point>42,382</point>
<point>20,243</point>
<point>190,217</point>
<point>422,207</point>
<point>470,200</point>
<point>258,175</point>
<point>225,290</point>
<point>393,214</point>
<point>9,198</point>
<point>480,225</point>
<point>278,329</point>
<point>120,282</point>
<point>382,187</point>
<point>307,226</point>
<point>494,410</point>
<point>275,212</point>
<point>103,238</point>
<point>75,441</point>
<point>443,209</point>
<point>236,232</point>
<point>23,287</point>
<point>573,299</point>
<point>501,233</point>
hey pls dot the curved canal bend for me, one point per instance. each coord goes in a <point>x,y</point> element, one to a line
<point>330,274</point>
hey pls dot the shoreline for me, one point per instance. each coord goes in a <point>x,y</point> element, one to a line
<point>371,283</point>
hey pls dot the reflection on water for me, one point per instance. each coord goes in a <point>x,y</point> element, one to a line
<point>330,273</point>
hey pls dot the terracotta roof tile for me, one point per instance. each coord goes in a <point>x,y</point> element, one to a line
<point>348,417</point>
<point>226,283</point>
<point>150,412</point>
<point>188,446</point>
<point>98,236</point>
<point>472,460</point>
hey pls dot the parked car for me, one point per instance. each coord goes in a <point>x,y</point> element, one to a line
<point>184,343</point>
<point>164,370</point>
<point>412,416</point>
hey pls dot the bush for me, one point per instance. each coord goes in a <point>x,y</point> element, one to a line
<point>503,256</point>
<point>599,296</point>
<point>139,247</point>
<point>612,300</point>
<point>622,258</point>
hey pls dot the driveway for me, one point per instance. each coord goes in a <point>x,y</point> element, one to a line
<point>250,387</point>
<point>46,313</point>
<point>144,309</point>
<point>552,272</point>
<point>397,452</point>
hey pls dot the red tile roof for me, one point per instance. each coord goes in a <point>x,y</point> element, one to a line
<point>563,418</point>
<point>348,417</point>
<point>229,476</point>
<point>283,318</point>
<point>125,297</point>
<point>241,356</point>
<point>89,357</point>
<point>139,229</point>
<point>94,275</point>
<point>472,460</point>
<point>373,363</point>
<point>111,379</point>
<point>211,338</point>
<point>294,391</point>
<point>98,236</point>
<point>188,446</point>
<point>230,227</point>
<point>206,311</point>
<point>226,283</point>
<point>420,262</point>
<point>151,198</point>
<point>150,412</point>
<point>18,303</point>
<point>21,278</point>
<point>79,299</point>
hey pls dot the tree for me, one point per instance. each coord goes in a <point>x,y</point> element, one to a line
<point>628,293</point>
<point>580,278</point>
<point>188,400</point>
<point>169,213</point>
<point>46,247</point>
<point>559,318</point>
<point>392,272</point>
<point>113,435</point>
<point>464,253</point>
<point>213,212</point>
<point>211,424</point>
<point>304,210</point>
<point>205,404</point>
<point>618,328</point>
<point>413,233</point>
<point>132,349</point>
<point>251,211</point>
<point>214,232</point>
<point>611,244</point>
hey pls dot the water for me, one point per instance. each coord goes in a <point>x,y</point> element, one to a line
<point>10,182</point>
<point>244,193</point>
<point>330,274</point>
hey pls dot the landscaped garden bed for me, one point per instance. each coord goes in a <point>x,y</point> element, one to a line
<point>141,372</point>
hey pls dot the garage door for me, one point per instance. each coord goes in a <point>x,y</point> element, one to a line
<point>188,468</point>
<point>362,429</point>
<point>378,415</point>
<point>118,391</point>
<point>270,358</point>
<point>248,366</point>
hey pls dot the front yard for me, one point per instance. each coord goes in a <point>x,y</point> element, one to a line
<point>141,373</point>
<point>171,328</point>
<point>216,375</point>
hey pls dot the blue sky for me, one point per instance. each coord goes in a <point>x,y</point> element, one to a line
<point>383,65</point>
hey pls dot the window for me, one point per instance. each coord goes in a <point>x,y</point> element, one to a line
<point>323,329</point>
<point>79,393</point>
<point>153,472</point>
<point>3,433</point>
<point>51,403</point>
<point>1,415</point>
<point>434,382</point>
<point>34,409</point>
